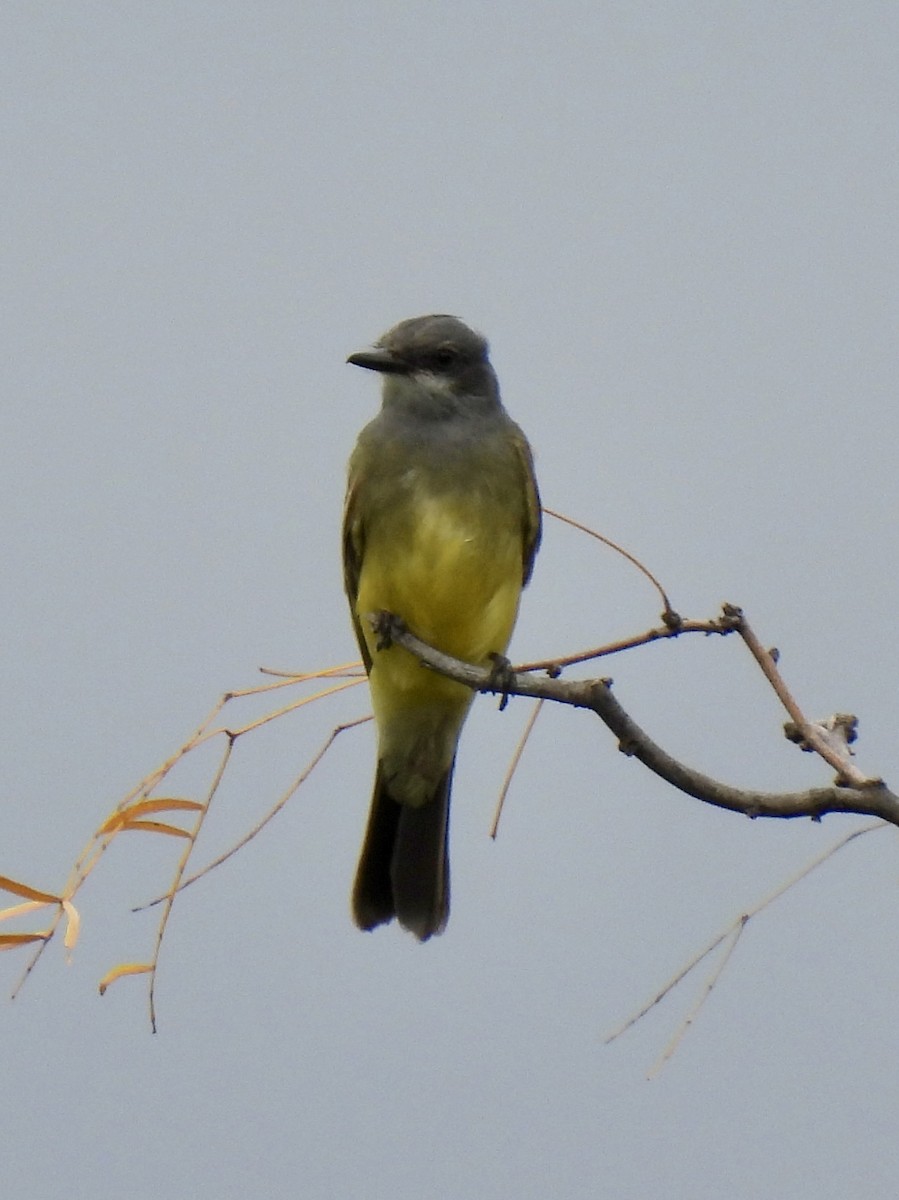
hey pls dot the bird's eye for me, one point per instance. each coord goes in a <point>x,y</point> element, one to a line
<point>444,356</point>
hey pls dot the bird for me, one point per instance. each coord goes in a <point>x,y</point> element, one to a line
<point>442,522</point>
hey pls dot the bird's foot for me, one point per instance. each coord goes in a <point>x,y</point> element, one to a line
<point>387,626</point>
<point>501,677</point>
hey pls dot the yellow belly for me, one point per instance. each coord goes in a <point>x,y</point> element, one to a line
<point>454,582</point>
<point>455,579</point>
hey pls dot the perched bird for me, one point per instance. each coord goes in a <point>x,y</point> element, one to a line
<point>441,526</point>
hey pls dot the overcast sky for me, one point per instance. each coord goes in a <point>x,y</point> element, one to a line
<point>676,223</point>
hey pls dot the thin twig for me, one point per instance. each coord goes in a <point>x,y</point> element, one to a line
<point>287,708</point>
<point>718,625</point>
<point>102,839</point>
<point>273,812</point>
<point>179,873</point>
<point>513,765</point>
<point>289,677</point>
<point>668,610</point>
<point>691,1016</point>
<point>733,930</point>
<point>846,770</point>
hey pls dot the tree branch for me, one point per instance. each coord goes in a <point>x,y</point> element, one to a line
<point>870,798</point>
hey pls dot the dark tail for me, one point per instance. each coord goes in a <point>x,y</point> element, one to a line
<point>403,870</point>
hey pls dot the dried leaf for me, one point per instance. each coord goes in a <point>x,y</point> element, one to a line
<point>157,827</point>
<point>73,925</point>
<point>23,889</point>
<point>9,941</point>
<point>124,816</point>
<point>18,910</point>
<point>29,893</point>
<point>120,970</point>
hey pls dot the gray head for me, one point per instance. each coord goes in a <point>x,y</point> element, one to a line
<point>435,365</point>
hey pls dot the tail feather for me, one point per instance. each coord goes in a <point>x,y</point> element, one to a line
<point>373,902</point>
<point>403,870</point>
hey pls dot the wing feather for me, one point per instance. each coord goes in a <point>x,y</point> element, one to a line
<point>532,528</point>
<point>353,550</point>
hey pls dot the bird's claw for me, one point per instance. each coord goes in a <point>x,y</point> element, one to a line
<point>501,678</point>
<point>386,626</point>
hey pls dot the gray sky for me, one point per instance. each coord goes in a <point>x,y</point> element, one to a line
<point>678,228</point>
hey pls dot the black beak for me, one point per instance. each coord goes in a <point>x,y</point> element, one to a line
<point>376,358</point>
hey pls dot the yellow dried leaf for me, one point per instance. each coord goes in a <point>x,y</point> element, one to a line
<point>164,804</point>
<point>124,816</point>
<point>9,941</point>
<point>17,910</point>
<point>123,969</point>
<point>157,827</point>
<point>29,893</point>
<point>73,925</point>
<point>111,824</point>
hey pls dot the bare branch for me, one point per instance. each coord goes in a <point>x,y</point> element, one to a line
<point>873,798</point>
<point>815,737</point>
<point>672,627</point>
<point>731,935</point>
<point>263,821</point>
